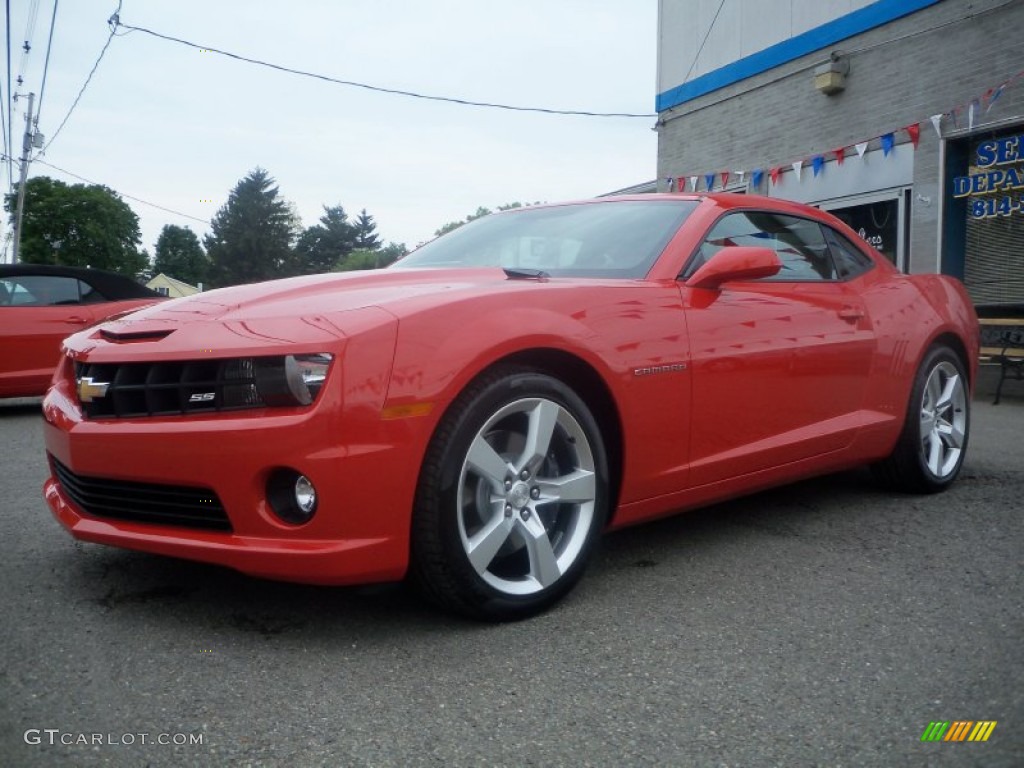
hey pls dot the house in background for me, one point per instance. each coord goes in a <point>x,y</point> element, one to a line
<point>168,286</point>
<point>905,118</point>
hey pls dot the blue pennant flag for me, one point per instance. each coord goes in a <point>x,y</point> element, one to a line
<point>887,142</point>
<point>818,163</point>
<point>709,179</point>
<point>757,177</point>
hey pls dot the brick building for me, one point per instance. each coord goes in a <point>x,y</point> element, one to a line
<point>903,117</point>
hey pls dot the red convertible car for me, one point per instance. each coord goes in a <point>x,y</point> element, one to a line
<point>476,415</point>
<point>40,305</point>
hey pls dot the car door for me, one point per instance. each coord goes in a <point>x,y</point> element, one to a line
<point>779,365</point>
<point>36,313</point>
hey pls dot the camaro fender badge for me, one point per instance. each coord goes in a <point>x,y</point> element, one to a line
<point>668,368</point>
<point>89,390</point>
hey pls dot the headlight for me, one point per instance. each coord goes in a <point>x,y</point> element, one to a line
<point>292,379</point>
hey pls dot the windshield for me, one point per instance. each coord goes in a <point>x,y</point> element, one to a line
<point>616,239</point>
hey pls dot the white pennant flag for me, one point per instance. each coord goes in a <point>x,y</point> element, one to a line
<point>796,168</point>
<point>970,117</point>
<point>742,175</point>
<point>693,183</point>
<point>861,148</point>
<point>937,124</point>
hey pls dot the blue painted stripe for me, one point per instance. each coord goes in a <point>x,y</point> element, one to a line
<point>861,20</point>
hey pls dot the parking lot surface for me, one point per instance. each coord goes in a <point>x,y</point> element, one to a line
<point>825,623</point>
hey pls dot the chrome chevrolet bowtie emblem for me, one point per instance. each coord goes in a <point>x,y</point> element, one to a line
<point>89,390</point>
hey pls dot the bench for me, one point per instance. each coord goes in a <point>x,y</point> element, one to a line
<point>1002,342</point>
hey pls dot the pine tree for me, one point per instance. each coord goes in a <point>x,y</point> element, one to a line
<point>367,238</point>
<point>324,246</point>
<point>252,235</point>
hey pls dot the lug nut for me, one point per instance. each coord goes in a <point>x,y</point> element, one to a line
<point>535,492</point>
<point>525,474</point>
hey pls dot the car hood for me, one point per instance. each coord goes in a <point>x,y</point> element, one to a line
<point>315,309</point>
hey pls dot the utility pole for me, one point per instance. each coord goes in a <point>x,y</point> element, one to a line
<point>26,149</point>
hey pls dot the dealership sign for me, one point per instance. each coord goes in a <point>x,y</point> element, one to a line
<point>1000,177</point>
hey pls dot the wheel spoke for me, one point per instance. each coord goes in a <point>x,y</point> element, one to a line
<point>483,546</point>
<point>951,436</point>
<point>486,462</point>
<point>934,453</point>
<point>578,487</point>
<point>933,391</point>
<point>945,400</point>
<point>543,418</point>
<point>543,564</point>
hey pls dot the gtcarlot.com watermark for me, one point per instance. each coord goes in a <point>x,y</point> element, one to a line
<point>55,736</point>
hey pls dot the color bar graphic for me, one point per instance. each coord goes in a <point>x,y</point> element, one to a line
<point>958,730</point>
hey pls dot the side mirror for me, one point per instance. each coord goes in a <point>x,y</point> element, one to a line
<point>735,262</point>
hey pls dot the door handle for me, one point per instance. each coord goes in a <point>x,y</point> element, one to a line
<point>76,320</point>
<point>851,314</point>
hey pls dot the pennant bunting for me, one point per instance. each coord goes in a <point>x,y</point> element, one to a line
<point>972,110</point>
<point>914,132</point>
<point>995,96</point>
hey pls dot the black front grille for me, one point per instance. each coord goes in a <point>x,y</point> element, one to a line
<point>166,388</point>
<point>143,502</point>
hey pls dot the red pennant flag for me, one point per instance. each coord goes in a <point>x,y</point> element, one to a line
<point>725,178</point>
<point>914,131</point>
<point>774,174</point>
<point>681,184</point>
<point>840,154</point>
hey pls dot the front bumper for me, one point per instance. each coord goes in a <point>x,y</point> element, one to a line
<point>359,463</point>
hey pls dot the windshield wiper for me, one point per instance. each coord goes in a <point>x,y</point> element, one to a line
<point>525,274</point>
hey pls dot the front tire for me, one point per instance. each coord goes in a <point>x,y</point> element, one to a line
<point>512,497</point>
<point>931,449</point>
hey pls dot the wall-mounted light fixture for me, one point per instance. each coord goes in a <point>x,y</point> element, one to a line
<point>830,77</point>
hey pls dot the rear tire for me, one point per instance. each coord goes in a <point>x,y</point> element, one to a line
<point>931,449</point>
<point>512,497</point>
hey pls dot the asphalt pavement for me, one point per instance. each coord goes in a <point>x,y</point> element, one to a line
<point>827,623</point>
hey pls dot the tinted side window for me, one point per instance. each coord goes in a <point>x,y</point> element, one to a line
<point>42,290</point>
<point>89,294</point>
<point>850,260</point>
<point>799,243</point>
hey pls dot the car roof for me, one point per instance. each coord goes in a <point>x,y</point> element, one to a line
<point>112,285</point>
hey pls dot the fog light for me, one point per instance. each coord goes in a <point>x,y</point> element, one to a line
<point>305,494</point>
<point>292,496</point>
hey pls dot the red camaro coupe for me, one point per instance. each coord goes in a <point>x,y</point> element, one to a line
<point>475,416</point>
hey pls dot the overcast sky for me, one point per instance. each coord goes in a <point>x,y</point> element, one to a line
<point>179,127</point>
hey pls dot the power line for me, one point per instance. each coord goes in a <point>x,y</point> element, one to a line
<point>115,20</point>
<point>10,102</point>
<point>703,42</point>
<point>30,30</point>
<point>122,194</point>
<point>46,65</point>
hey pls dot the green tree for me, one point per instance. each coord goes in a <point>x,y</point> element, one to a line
<point>366,232</point>
<point>78,225</point>
<point>179,255</point>
<point>251,236</point>
<point>372,258</point>
<point>480,212</point>
<point>323,246</point>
